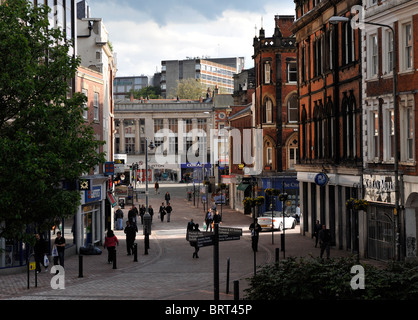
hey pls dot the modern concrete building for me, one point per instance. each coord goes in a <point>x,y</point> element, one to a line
<point>211,72</point>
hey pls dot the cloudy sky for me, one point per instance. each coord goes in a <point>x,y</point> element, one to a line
<point>145,32</point>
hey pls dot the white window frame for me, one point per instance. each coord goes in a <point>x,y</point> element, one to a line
<point>96,106</point>
<point>408,49</point>
<point>267,72</point>
<point>388,131</point>
<point>269,111</point>
<point>373,148</point>
<point>293,72</point>
<point>387,57</point>
<point>86,104</point>
<point>407,128</point>
<point>373,56</point>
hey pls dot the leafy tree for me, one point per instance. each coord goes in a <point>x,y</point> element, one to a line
<point>150,91</point>
<point>188,89</point>
<point>44,141</point>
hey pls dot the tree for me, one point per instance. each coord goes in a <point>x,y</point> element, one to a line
<point>150,92</point>
<point>188,89</point>
<point>44,141</point>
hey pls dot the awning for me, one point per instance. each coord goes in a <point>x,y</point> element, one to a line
<point>243,186</point>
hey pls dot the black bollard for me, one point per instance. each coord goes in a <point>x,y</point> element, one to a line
<point>227,275</point>
<point>135,250</point>
<point>236,290</point>
<point>277,255</point>
<point>80,266</point>
<point>114,259</point>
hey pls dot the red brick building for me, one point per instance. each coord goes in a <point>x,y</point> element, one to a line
<point>329,169</point>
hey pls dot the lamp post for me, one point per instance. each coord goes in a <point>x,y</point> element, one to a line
<point>147,216</point>
<point>336,20</point>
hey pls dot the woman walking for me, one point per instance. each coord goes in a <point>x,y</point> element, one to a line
<point>110,243</point>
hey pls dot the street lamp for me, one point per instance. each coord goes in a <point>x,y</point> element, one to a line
<point>336,20</point>
<point>147,216</point>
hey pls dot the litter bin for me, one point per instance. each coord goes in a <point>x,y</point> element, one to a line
<point>122,203</point>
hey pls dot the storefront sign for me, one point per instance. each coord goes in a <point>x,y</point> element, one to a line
<point>321,179</point>
<point>195,165</point>
<point>379,188</point>
<point>95,194</point>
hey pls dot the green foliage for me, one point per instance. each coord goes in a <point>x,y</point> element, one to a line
<point>314,278</point>
<point>43,137</point>
<point>188,89</point>
<point>150,92</point>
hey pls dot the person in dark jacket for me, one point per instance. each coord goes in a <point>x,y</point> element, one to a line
<point>315,234</point>
<point>255,229</point>
<point>194,243</point>
<point>40,250</point>
<point>168,210</point>
<point>130,231</point>
<point>167,197</point>
<point>324,241</point>
<point>162,212</point>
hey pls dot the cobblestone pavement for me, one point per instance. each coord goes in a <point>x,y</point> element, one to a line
<point>168,272</point>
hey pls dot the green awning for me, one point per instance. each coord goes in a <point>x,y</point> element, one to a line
<point>243,186</point>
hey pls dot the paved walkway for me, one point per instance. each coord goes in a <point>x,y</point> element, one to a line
<point>168,272</point>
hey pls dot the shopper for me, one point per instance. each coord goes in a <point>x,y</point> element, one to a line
<point>130,231</point>
<point>168,210</point>
<point>110,243</point>
<point>60,244</point>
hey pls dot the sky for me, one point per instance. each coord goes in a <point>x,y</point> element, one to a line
<point>145,32</point>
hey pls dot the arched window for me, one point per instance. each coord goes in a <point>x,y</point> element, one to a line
<point>268,111</point>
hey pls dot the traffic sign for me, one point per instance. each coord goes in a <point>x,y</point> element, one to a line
<point>230,231</point>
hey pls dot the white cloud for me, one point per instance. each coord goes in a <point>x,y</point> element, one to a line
<point>142,43</point>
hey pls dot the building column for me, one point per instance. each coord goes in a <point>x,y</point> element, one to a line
<point>137,137</point>
<point>121,136</point>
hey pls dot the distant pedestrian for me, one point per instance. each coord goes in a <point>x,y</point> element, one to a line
<point>209,220</point>
<point>132,215</point>
<point>110,243</point>
<point>151,211</point>
<point>130,231</point>
<point>141,213</point>
<point>317,228</point>
<point>217,218</point>
<point>194,243</point>
<point>325,241</point>
<point>60,244</point>
<point>40,250</point>
<point>162,212</point>
<point>119,219</point>
<point>255,229</point>
<point>156,187</point>
<point>190,225</point>
<point>167,197</point>
<point>168,210</point>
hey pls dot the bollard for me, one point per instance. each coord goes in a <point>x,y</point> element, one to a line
<point>80,266</point>
<point>227,275</point>
<point>135,250</point>
<point>236,290</point>
<point>114,258</point>
<point>277,255</point>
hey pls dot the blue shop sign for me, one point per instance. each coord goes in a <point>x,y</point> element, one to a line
<point>95,194</point>
<point>194,165</point>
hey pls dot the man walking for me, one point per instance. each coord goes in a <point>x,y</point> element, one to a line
<point>168,210</point>
<point>324,241</point>
<point>130,231</point>
<point>60,244</point>
<point>167,197</point>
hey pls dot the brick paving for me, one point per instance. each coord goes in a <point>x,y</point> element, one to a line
<point>168,272</point>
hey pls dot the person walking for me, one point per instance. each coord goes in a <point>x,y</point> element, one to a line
<point>40,250</point>
<point>156,187</point>
<point>132,215</point>
<point>255,229</point>
<point>167,197</point>
<point>324,241</point>
<point>119,219</point>
<point>194,243</point>
<point>190,225</point>
<point>317,228</point>
<point>162,212</point>
<point>60,244</point>
<point>209,220</point>
<point>168,210</point>
<point>130,231</point>
<point>141,213</point>
<point>110,243</point>
<point>217,218</point>
<point>151,211</point>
